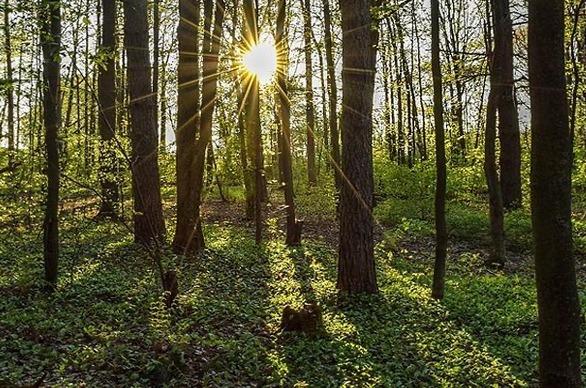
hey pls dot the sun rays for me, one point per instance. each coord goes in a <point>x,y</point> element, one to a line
<point>261,60</point>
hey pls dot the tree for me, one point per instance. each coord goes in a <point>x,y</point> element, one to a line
<point>149,225</point>
<point>11,82</point>
<point>285,161</point>
<point>188,119</point>
<point>441,233</point>
<point>251,86</point>
<point>509,134</point>
<point>107,121</point>
<point>309,103</point>
<point>50,17</point>
<point>356,267</point>
<point>551,199</point>
<point>333,93</point>
<point>495,198</point>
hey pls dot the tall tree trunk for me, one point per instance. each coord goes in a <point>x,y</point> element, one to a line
<point>356,268</point>
<point>551,199</point>
<point>333,93</point>
<point>10,80</point>
<point>309,103</point>
<point>50,17</point>
<point>156,68</point>
<point>188,119</point>
<point>211,49</point>
<point>252,116</point>
<point>441,233</point>
<point>293,226</point>
<point>496,58</point>
<point>149,225</point>
<point>509,135</point>
<point>107,123</point>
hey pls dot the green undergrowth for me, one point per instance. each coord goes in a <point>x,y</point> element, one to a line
<point>107,324</point>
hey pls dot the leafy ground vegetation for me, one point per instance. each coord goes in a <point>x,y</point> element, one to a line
<point>107,323</point>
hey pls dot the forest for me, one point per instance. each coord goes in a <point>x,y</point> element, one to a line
<point>295,193</point>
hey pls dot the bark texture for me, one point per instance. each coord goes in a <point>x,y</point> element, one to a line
<point>149,226</point>
<point>551,199</point>
<point>188,119</point>
<point>50,17</point>
<point>441,232</point>
<point>107,120</point>
<point>509,135</point>
<point>356,268</point>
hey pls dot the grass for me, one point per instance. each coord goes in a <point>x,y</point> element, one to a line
<point>107,323</point>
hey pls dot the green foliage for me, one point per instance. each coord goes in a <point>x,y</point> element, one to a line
<point>107,324</point>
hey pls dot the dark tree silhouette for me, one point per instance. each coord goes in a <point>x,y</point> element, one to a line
<point>50,16</point>
<point>149,225</point>
<point>107,120</point>
<point>551,199</point>
<point>441,233</point>
<point>188,96</point>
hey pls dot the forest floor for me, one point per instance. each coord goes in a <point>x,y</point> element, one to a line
<point>107,324</point>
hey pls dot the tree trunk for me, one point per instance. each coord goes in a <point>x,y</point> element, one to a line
<point>496,60</point>
<point>252,117</point>
<point>107,123</point>
<point>551,199</point>
<point>188,119</point>
<point>50,17</point>
<point>293,226</point>
<point>333,94</point>
<point>356,268</point>
<point>309,103</point>
<point>509,135</point>
<point>149,225</point>
<point>441,233</point>
<point>156,67</point>
<point>11,82</point>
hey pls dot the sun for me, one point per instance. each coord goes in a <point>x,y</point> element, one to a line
<point>261,61</point>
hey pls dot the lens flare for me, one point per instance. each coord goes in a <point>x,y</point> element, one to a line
<point>261,60</point>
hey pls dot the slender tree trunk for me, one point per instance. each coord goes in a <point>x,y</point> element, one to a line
<point>50,17</point>
<point>509,134</point>
<point>149,225</point>
<point>252,117</point>
<point>309,103</point>
<point>107,123</point>
<point>211,49</point>
<point>497,59</point>
<point>356,267</point>
<point>10,80</point>
<point>441,233</point>
<point>293,226</point>
<point>188,119</point>
<point>333,93</point>
<point>156,67</point>
<point>551,199</point>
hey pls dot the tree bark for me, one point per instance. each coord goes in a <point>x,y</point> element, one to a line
<point>156,67</point>
<point>50,17</point>
<point>107,123</point>
<point>293,226</point>
<point>356,267</point>
<point>309,103</point>
<point>252,117</point>
<point>441,233</point>
<point>149,225</point>
<point>509,135</point>
<point>188,119</point>
<point>11,82</point>
<point>551,199</point>
<point>333,94</point>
